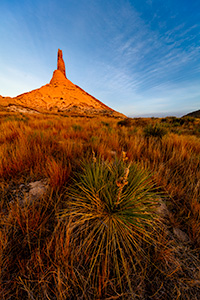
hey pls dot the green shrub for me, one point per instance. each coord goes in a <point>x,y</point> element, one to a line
<point>111,211</point>
<point>180,121</point>
<point>188,119</point>
<point>163,120</point>
<point>154,131</point>
<point>105,123</point>
<point>126,122</point>
<point>76,127</point>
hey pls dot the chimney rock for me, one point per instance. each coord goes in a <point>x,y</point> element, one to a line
<point>61,63</point>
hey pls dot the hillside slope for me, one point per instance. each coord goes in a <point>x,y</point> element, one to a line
<point>195,114</point>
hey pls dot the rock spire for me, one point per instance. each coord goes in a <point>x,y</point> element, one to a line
<point>61,63</point>
<point>59,95</point>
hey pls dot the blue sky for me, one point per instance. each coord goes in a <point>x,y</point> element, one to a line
<point>139,57</point>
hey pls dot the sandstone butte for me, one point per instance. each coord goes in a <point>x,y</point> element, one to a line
<point>60,95</point>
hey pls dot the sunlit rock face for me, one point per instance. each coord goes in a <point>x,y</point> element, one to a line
<point>60,95</point>
<point>61,63</point>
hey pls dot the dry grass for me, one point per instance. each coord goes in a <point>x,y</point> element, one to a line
<point>95,250</point>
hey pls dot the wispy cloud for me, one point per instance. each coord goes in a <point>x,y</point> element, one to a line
<point>148,68</point>
<point>145,61</point>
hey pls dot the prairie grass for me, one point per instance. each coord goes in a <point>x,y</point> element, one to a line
<point>96,234</point>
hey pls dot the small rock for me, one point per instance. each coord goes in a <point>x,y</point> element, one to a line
<point>182,236</point>
<point>162,209</point>
<point>38,189</point>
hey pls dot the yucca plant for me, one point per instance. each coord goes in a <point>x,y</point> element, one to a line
<point>110,208</point>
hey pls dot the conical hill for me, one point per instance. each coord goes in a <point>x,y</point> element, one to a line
<point>60,95</point>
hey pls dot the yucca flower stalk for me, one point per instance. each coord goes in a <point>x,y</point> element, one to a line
<point>111,205</point>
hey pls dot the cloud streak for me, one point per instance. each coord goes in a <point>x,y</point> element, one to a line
<point>147,61</point>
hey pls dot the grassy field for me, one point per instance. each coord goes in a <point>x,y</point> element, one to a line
<point>120,219</point>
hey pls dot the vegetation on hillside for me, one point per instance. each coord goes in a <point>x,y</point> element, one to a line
<point>121,219</point>
<point>194,114</point>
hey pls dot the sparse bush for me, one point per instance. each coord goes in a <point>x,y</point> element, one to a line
<point>154,131</point>
<point>188,120</point>
<point>76,127</point>
<point>163,120</point>
<point>126,122</point>
<point>180,121</point>
<point>105,123</point>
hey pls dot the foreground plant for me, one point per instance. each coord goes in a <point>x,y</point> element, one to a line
<point>110,209</point>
